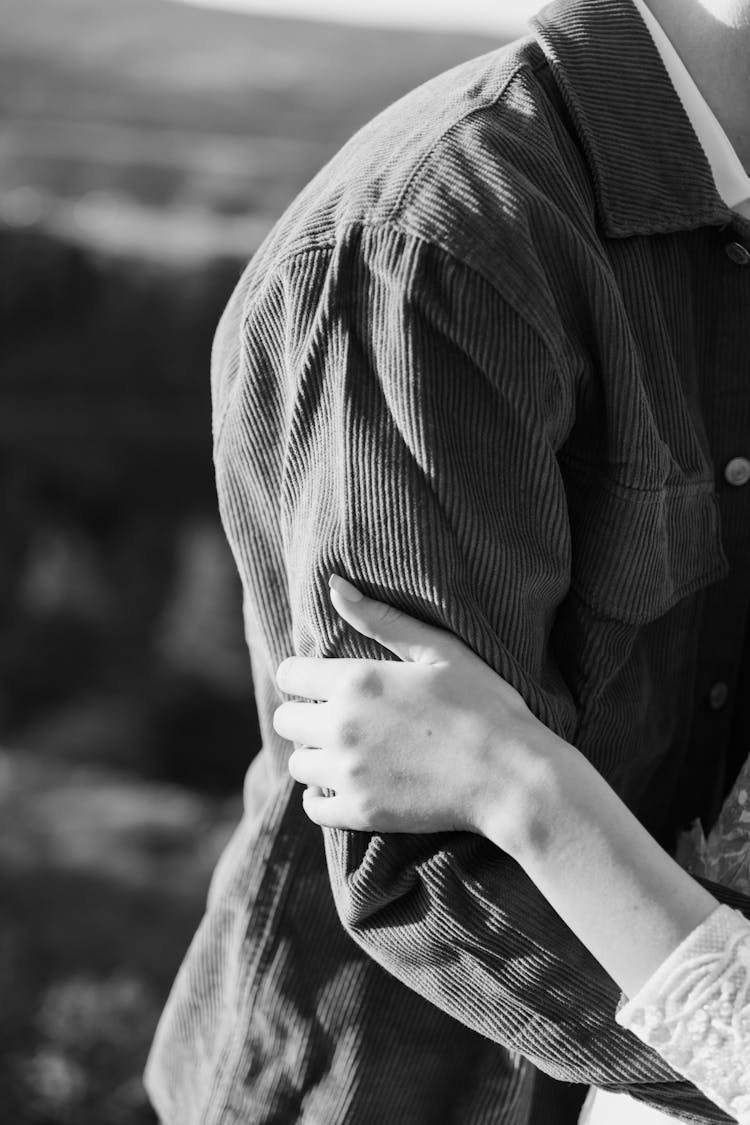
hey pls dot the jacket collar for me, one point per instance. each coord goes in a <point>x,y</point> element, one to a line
<point>650,172</point>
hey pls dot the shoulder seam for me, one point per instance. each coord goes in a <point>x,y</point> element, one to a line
<point>411,181</point>
<point>386,225</point>
<point>402,228</point>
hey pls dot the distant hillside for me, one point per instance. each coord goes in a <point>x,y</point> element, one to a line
<point>208,113</point>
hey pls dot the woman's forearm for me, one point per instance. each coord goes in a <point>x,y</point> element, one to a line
<point>622,895</point>
<point>385,742</point>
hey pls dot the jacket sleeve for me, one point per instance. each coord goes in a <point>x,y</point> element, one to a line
<point>412,421</point>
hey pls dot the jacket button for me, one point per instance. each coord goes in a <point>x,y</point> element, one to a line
<point>737,471</point>
<point>718,696</point>
<point>737,253</point>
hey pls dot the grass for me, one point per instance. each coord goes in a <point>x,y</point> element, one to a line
<point>102,880</point>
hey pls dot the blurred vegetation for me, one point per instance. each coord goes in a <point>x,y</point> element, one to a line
<point>145,149</point>
<point>111,551</point>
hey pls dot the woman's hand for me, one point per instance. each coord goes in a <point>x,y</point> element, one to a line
<point>436,743</point>
<point>441,742</point>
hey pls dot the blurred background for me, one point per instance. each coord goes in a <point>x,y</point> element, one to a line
<point>146,147</point>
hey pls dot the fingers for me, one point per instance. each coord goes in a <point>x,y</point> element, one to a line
<point>411,640</point>
<point>311,766</point>
<point>311,676</point>
<point>405,636</point>
<point>330,812</point>
<point>301,722</point>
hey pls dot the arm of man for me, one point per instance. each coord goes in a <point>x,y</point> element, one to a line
<point>421,416</point>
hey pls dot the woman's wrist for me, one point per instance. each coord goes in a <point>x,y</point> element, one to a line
<point>525,816</point>
<point>596,865</point>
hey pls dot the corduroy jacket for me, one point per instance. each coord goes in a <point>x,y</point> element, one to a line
<point>490,365</point>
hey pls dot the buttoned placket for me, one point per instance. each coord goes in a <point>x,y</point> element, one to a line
<point>725,392</point>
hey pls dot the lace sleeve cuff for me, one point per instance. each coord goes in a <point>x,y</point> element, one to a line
<point>695,1011</point>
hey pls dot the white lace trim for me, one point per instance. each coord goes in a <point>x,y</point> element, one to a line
<point>695,1011</point>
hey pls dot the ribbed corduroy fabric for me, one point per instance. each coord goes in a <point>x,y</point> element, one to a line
<point>472,369</point>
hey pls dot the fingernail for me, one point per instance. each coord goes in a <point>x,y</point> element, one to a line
<point>341,586</point>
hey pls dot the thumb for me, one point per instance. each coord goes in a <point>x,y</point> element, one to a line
<point>408,638</point>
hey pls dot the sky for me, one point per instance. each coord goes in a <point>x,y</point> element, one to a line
<point>469,15</point>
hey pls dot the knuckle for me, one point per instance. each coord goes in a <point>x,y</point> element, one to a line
<point>348,733</point>
<point>367,683</point>
<point>367,811</point>
<point>347,769</point>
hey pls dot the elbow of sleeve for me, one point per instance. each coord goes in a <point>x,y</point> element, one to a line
<point>374,884</point>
